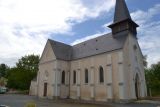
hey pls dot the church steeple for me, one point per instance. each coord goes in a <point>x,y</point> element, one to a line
<point>121,11</point>
<point>123,22</point>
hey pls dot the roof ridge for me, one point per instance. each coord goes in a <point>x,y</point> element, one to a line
<point>59,42</point>
<point>106,35</point>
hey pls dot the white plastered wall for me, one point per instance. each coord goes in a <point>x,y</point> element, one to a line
<point>133,64</point>
<point>46,72</point>
<point>109,90</point>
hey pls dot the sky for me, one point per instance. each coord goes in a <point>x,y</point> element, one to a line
<point>25,25</point>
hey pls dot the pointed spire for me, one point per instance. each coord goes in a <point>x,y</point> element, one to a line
<point>122,20</point>
<point>121,11</point>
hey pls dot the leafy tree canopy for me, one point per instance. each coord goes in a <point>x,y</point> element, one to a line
<point>3,70</point>
<point>20,78</point>
<point>3,81</point>
<point>153,78</point>
<point>25,70</point>
<point>29,62</point>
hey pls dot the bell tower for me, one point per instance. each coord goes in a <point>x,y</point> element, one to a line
<point>123,23</point>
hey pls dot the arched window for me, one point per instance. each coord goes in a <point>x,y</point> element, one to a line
<point>74,77</point>
<point>63,77</point>
<point>101,74</point>
<point>86,75</point>
<point>46,75</point>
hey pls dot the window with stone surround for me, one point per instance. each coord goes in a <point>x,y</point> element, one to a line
<point>101,74</point>
<point>74,77</point>
<point>86,76</point>
<point>63,77</point>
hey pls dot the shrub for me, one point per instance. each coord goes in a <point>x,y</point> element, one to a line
<point>30,104</point>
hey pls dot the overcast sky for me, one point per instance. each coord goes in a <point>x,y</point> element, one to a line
<point>25,25</point>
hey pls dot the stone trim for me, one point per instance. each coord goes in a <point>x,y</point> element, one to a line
<point>78,84</point>
<point>109,100</point>
<point>108,64</point>
<point>92,67</point>
<point>74,84</point>
<point>120,62</point>
<point>58,69</point>
<point>79,69</point>
<point>56,97</point>
<point>86,83</point>
<point>67,85</point>
<point>121,83</point>
<point>47,62</point>
<point>92,85</point>
<point>78,97</point>
<point>109,84</point>
<point>92,98</point>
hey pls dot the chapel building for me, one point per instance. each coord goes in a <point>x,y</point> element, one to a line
<point>109,67</point>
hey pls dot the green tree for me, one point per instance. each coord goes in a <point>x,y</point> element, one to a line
<point>29,62</point>
<point>26,69</point>
<point>20,78</point>
<point>3,81</point>
<point>153,78</point>
<point>3,70</point>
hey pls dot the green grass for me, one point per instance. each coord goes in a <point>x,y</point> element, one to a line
<point>23,92</point>
<point>30,104</point>
<point>156,93</point>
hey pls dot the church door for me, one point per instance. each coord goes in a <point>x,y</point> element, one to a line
<point>137,87</point>
<point>45,90</point>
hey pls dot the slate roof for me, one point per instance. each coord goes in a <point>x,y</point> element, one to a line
<point>62,51</point>
<point>99,45</point>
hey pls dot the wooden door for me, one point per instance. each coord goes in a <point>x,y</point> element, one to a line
<point>45,90</point>
<point>137,87</point>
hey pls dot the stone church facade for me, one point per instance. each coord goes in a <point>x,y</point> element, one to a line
<point>109,67</point>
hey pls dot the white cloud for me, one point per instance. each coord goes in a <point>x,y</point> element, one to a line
<point>25,25</point>
<point>142,17</point>
<point>148,33</point>
<point>149,41</point>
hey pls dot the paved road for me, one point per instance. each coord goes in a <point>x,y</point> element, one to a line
<point>21,100</point>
